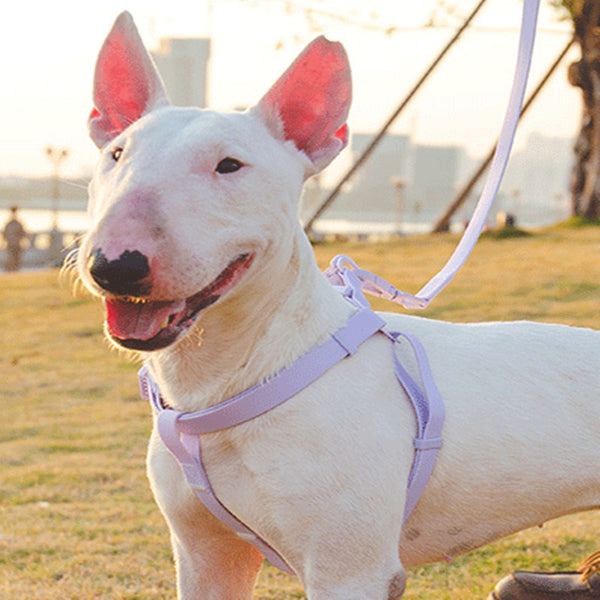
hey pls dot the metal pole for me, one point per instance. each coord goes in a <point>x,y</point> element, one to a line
<point>366,153</point>
<point>443,223</point>
<point>56,156</point>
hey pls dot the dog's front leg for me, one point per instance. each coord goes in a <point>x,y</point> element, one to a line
<point>215,568</point>
<point>213,563</point>
<point>353,558</point>
<point>374,585</point>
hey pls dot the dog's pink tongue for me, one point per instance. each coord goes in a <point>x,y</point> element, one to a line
<point>139,321</point>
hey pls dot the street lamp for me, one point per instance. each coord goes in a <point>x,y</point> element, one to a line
<point>399,184</point>
<point>56,156</point>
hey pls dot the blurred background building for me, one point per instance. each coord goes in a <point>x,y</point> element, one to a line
<point>183,65</point>
<point>403,187</point>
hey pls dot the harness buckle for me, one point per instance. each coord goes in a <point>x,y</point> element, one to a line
<point>348,345</point>
<point>427,443</point>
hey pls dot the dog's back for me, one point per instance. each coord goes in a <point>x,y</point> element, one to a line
<point>522,431</point>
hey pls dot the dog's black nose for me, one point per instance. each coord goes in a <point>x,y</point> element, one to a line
<point>124,276</point>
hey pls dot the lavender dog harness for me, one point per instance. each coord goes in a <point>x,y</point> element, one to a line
<point>181,432</point>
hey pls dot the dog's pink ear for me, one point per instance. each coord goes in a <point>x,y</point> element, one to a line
<point>126,83</point>
<point>309,103</point>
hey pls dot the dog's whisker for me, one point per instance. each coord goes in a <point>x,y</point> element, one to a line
<point>69,274</point>
<point>75,183</point>
<point>68,269</point>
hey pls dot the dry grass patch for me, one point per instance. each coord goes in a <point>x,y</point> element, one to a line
<point>77,520</point>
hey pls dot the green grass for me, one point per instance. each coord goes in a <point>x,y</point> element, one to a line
<point>77,519</point>
<point>579,222</point>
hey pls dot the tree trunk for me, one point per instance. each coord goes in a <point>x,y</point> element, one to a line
<point>585,74</point>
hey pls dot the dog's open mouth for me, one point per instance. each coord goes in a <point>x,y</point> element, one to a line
<point>148,325</point>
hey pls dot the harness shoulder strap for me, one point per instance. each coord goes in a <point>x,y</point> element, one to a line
<point>310,366</point>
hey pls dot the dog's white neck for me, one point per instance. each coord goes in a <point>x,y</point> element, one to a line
<point>279,314</point>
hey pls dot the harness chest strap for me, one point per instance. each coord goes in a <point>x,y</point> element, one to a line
<point>181,431</point>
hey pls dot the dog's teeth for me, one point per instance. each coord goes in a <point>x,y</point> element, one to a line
<point>165,323</point>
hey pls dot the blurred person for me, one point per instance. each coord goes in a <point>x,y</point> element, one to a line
<point>13,235</point>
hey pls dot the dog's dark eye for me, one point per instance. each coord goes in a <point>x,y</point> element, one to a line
<point>116,154</point>
<point>229,165</point>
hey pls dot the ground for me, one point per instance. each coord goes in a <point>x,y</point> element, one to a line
<point>77,520</point>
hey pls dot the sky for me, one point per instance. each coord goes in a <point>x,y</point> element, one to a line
<point>48,51</point>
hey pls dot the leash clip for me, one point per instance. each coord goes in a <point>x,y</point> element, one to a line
<point>345,275</point>
<point>342,273</point>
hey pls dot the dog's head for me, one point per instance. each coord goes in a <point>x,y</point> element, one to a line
<point>186,204</point>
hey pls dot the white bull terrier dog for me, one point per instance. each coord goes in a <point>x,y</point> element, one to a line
<point>197,252</point>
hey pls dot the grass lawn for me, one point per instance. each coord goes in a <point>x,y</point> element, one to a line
<point>77,520</point>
